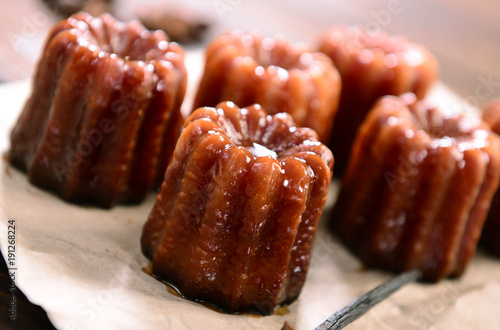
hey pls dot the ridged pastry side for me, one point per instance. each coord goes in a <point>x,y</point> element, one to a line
<point>417,188</point>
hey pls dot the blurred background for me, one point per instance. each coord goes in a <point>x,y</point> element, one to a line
<point>464,35</point>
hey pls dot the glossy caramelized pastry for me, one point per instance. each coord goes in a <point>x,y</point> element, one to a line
<point>371,65</point>
<point>104,114</point>
<point>491,232</point>
<point>417,188</point>
<point>247,68</point>
<point>234,222</point>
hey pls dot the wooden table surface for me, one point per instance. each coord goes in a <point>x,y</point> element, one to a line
<point>464,36</point>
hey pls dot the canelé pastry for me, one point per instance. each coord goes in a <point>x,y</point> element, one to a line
<point>371,65</point>
<point>247,68</point>
<point>417,188</point>
<point>234,222</point>
<point>490,238</point>
<point>101,123</point>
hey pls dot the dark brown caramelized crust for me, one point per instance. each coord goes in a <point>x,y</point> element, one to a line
<point>417,188</point>
<point>247,68</point>
<point>371,65</point>
<point>104,114</point>
<point>235,219</point>
<point>491,232</point>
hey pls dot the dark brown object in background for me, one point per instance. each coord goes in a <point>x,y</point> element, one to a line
<point>181,24</point>
<point>103,117</point>
<point>371,65</point>
<point>235,219</point>
<point>28,315</point>
<point>417,188</point>
<point>491,233</point>
<point>98,7</point>
<point>248,68</point>
<point>69,7</point>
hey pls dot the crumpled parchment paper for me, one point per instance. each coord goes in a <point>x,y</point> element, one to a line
<point>84,266</point>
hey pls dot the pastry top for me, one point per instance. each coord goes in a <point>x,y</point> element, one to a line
<point>423,121</point>
<point>107,37</point>
<point>267,55</point>
<point>352,42</point>
<point>351,47</point>
<point>260,135</point>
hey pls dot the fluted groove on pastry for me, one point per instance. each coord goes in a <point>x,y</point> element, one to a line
<point>91,110</point>
<point>431,191</point>
<point>373,209</point>
<point>181,230</point>
<point>449,223</point>
<point>157,120</point>
<point>198,179</point>
<point>154,231</point>
<point>319,180</point>
<point>361,182</point>
<point>283,232</point>
<point>285,210</point>
<point>117,150</point>
<point>219,222</point>
<point>257,220</point>
<point>386,234</point>
<point>175,85</point>
<point>32,117</point>
<point>477,215</point>
<point>56,139</point>
<point>490,238</point>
